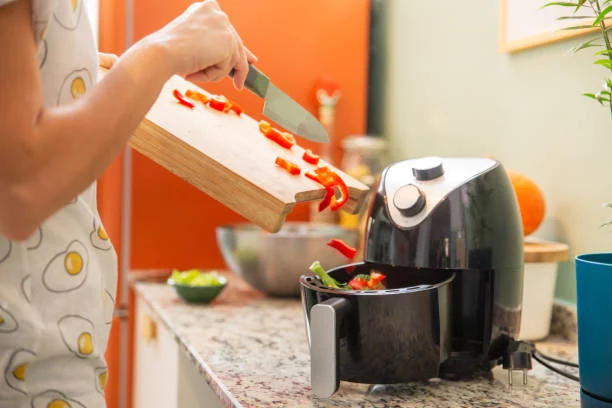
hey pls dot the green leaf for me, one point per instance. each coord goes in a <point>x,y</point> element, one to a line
<point>603,52</point>
<point>580,3</point>
<point>607,204</point>
<point>604,62</point>
<point>578,27</point>
<point>586,44</point>
<point>606,224</point>
<point>602,15</point>
<point>590,95</point>
<point>574,17</point>
<point>563,4</point>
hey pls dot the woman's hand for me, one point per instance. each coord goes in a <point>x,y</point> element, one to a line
<point>202,45</point>
<point>107,60</point>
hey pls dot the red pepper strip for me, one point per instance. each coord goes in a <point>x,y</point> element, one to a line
<point>310,157</point>
<point>273,134</point>
<point>375,279</point>
<point>350,269</point>
<point>182,100</point>
<point>218,104</point>
<point>313,177</point>
<point>236,109</point>
<point>343,248</point>
<point>197,96</point>
<point>292,168</point>
<point>330,178</point>
<point>329,193</point>
<point>358,283</point>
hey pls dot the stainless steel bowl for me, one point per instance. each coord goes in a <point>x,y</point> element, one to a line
<point>273,263</point>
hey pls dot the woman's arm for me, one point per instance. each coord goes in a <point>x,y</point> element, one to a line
<point>49,155</point>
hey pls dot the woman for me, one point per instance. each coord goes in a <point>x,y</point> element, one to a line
<point>59,131</point>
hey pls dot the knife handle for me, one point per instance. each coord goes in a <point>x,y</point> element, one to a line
<point>256,81</point>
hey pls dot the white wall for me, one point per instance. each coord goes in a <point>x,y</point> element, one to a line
<point>450,93</point>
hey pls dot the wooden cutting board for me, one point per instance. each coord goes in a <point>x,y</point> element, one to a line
<point>227,157</point>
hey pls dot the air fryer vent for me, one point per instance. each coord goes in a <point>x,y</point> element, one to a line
<point>316,282</point>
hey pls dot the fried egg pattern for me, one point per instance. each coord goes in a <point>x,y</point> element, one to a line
<point>8,324</point>
<point>99,238</point>
<point>78,335</point>
<point>15,372</point>
<point>35,240</point>
<point>54,399</point>
<point>101,378</point>
<point>74,86</point>
<point>68,17</point>
<point>67,270</point>
<point>26,287</point>
<point>5,249</point>
<point>109,307</point>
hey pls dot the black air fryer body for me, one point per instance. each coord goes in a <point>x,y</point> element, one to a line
<point>459,215</point>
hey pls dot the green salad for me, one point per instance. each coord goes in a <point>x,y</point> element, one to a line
<point>195,277</point>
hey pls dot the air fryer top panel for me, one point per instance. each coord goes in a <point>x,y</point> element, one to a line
<point>413,188</point>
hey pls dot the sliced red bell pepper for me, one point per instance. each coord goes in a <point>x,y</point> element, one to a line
<point>310,157</point>
<point>342,247</point>
<point>291,167</point>
<point>197,96</point>
<point>179,97</point>
<point>236,109</point>
<point>330,178</point>
<point>219,103</point>
<point>282,139</point>
<point>329,193</point>
<point>358,283</point>
<point>375,279</point>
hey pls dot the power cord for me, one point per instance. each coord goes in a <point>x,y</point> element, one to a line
<point>544,360</point>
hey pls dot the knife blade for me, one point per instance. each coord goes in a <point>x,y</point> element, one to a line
<point>280,108</point>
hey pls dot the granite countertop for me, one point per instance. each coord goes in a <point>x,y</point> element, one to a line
<point>253,352</point>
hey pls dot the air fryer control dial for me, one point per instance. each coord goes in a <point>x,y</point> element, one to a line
<point>409,200</point>
<point>428,168</point>
<point>399,176</point>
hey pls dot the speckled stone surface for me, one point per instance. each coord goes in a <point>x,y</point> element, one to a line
<point>253,352</point>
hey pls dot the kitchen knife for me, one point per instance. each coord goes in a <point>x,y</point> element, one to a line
<point>280,108</point>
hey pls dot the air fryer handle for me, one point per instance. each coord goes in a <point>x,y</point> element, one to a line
<point>325,320</point>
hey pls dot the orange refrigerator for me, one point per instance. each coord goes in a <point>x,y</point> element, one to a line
<point>158,221</point>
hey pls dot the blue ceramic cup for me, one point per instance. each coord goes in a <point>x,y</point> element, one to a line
<point>594,290</point>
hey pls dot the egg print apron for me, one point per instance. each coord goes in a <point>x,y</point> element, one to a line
<point>57,288</point>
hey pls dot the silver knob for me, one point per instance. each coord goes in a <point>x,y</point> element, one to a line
<point>409,200</point>
<point>428,168</point>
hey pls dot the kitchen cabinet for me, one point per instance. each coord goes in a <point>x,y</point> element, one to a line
<point>164,374</point>
<point>156,361</point>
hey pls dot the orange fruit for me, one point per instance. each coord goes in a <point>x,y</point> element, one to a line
<point>530,200</point>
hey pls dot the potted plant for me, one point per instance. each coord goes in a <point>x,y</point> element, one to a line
<point>594,271</point>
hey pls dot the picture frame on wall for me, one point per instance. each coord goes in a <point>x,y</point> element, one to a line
<point>524,24</point>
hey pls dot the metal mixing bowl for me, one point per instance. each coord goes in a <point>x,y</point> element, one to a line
<point>273,263</point>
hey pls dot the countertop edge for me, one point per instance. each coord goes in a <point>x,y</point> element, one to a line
<point>227,399</point>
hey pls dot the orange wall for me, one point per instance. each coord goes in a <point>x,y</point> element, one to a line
<point>296,42</point>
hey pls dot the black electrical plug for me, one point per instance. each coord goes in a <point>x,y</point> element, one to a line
<point>518,357</point>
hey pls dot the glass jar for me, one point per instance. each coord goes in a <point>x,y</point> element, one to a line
<point>364,158</point>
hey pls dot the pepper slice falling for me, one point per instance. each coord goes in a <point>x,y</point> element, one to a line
<point>330,178</point>
<point>283,139</point>
<point>329,193</point>
<point>197,96</point>
<point>342,247</point>
<point>291,167</point>
<point>179,97</point>
<point>310,157</point>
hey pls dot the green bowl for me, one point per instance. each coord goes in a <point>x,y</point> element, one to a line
<point>198,294</point>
